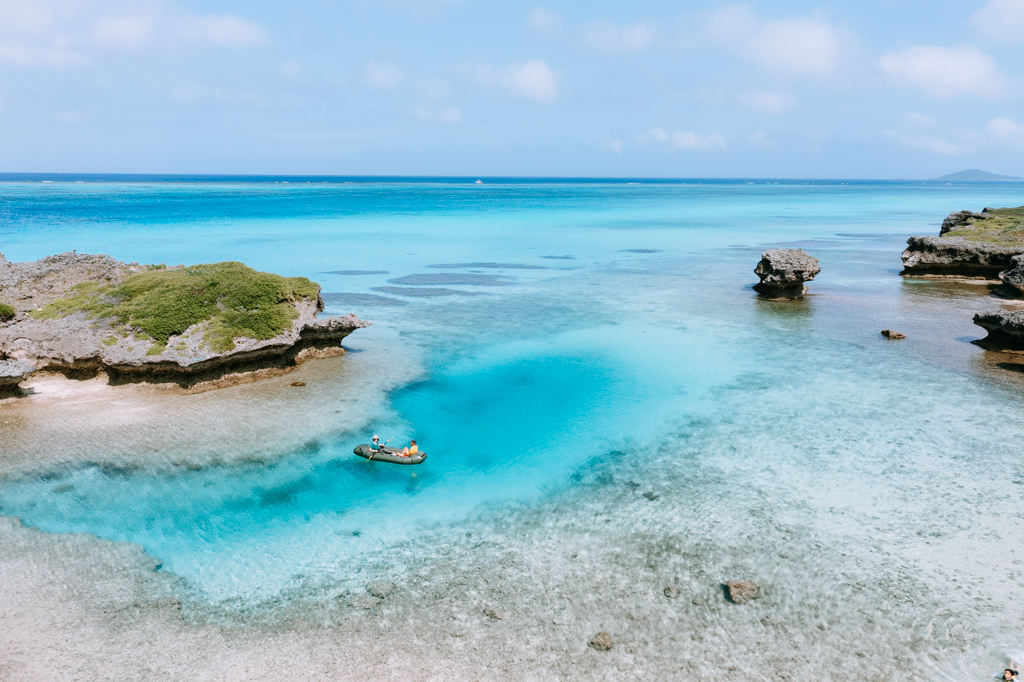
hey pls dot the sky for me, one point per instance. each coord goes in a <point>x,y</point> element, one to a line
<point>781,88</point>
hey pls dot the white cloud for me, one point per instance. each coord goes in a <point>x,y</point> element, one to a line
<point>228,30</point>
<point>542,20</point>
<point>450,115</point>
<point>608,37</point>
<point>764,102</point>
<point>290,69</point>
<point>916,120</point>
<point>686,140</point>
<point>1001,20</point>
<point>802,46</point>
<point>945,71</point>
<point>59,33</point>
<point>936,144</point>
<point>615,146</point>
<point>383,76</point>
<point>1005,127</point>
<point>123,31</point>
<point>761,139</point>
<point>533,80</point>
<point>929,135</point>
<point>1006,132</point>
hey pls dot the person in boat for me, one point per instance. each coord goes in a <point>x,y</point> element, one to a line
<point>375,446</point>
<point>411,449</point>
<point>1010,673</point>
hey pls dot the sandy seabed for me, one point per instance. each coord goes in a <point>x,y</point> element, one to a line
<point>901,553</point>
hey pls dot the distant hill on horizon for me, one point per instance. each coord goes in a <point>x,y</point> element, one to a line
<point>974,175</point>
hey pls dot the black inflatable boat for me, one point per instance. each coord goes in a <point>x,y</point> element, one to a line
<point>386,454</point>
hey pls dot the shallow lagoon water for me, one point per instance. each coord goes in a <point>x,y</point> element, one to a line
<point>649,367</point>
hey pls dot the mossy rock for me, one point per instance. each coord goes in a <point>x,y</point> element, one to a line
<point>235,300</point>
<point>6,312</point>
<point>997,226</point>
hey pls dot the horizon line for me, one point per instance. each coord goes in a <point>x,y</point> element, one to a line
<point>626,178</point>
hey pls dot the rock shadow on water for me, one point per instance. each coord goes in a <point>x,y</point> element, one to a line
<point>354,298</point>
<point>450,278</point>
<point>639,250</point>
<point>356,272</point>
<point>424,292</point>
<point>566,257</point>
<point>487,265</point>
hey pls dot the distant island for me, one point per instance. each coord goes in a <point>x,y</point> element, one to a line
<point>975,175</point>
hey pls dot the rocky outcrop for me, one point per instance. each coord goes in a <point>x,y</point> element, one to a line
<point>783,273</point>
<point>602,641</point>
<point>80,346</point>
<point>962,219</point>
<point>1005,330</point>
<point>956,257</point>
<point>1013,277</point>
<point>893,334</point>
<point>12,373</point>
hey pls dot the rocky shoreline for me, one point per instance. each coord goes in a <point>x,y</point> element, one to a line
<point>48,334</point>
<point>988,245</point>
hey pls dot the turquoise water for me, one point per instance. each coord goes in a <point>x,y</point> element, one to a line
<point>553,328</point>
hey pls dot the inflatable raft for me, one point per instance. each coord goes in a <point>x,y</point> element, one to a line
<point>386,454</point>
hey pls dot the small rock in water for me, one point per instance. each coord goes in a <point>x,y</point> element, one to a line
<point>672,592</point>
<point>741,591</point>
<point>651,496</point>
<point>602,641</point>
<point>890,334</point>
<point>380,588</point>
<point>364,602</point>
<point>298,383</point>
<point>492,613</point>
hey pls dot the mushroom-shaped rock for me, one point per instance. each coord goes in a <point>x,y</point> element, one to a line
<point>1005,330</point>
<point>783,273</point>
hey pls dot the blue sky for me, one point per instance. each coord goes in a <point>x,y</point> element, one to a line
<point>874,89</point>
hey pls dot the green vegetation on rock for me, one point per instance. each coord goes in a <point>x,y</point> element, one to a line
<point>1002,227</point>
<point>233,300</point>
<point>6,312</point>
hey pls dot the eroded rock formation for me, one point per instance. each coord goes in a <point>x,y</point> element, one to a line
<point>970,244</point>
<point>1013,277</point>
<point>81,345</point>
<point>956,257</point>
<point>783,273</point>
<point>1005,330</point>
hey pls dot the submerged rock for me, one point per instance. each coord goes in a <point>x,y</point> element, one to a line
<point>364,602</point>
<point>380,589</point>
<point>1005,330</point>
<point>741,591</point>
<point>602,641</point>
<point>671,591</point>
<point>891,334</point>
<point>492,613</point>
<point>783,273</point>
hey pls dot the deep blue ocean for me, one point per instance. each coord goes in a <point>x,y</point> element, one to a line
<point>528,332</point>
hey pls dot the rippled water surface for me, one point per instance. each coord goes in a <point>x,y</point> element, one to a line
<point>547,341</point>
